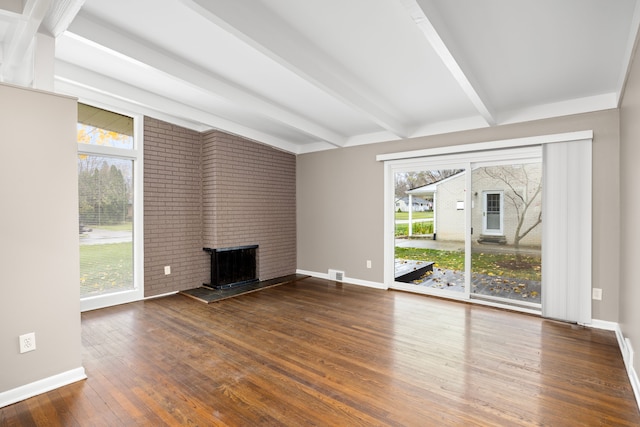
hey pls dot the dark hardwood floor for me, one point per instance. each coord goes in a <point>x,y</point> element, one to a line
<point>316,352</point>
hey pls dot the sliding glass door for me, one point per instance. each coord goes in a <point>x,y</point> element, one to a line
<point>429,249</point>
<point>470,229</point>
<point>506,242</point>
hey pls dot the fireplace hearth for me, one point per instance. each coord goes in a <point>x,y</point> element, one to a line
<point>233,266</point>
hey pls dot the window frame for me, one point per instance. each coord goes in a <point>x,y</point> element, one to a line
<point>485,217</point>
<point>136,155</point>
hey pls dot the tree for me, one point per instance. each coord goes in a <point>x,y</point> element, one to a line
<point>103,192</point>
<point>524,183</point>
<point>114,194</point>
<point>405,181</point>
<point>87,134</point>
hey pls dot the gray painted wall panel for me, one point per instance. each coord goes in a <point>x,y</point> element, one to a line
<point>39,247</point>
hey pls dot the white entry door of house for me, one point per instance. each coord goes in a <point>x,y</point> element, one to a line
<point>492,215</point>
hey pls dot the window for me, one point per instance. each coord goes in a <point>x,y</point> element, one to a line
<point>109,172</point>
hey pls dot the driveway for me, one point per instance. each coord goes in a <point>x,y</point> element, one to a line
<point>100,236</point>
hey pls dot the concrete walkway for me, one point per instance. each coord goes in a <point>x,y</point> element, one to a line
<point>443,245</point>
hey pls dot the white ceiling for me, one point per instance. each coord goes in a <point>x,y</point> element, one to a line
<point>312,75</point>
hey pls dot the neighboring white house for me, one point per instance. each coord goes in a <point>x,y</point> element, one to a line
<point>506,202</point>
<point>419,204</point>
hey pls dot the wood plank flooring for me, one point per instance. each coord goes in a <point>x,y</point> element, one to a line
<point>316,352</point>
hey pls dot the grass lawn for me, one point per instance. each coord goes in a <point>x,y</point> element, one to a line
<point>416,215</point>
<point>505,265</point>
<point>105,268</point>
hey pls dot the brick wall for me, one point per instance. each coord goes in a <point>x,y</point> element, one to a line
<point>172,209</point>
<point>213,190</point>
<point>249,194</point>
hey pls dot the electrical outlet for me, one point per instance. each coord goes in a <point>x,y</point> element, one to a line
<point>27,342</point>
<point>596,294</point>
<point>368,263</point>
<point>167,270</point>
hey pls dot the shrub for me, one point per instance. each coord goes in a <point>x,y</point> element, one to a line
<point>418,228</point>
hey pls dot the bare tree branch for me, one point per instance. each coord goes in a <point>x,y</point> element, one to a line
<point>517,185</point>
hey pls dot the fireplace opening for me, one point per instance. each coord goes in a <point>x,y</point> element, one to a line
<point>233,266</point>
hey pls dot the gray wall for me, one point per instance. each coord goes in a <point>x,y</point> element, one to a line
<point>39,247</point>
<point>340,200</point>
<point>630,207</point>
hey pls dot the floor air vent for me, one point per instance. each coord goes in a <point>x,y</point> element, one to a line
<point>336,275</point>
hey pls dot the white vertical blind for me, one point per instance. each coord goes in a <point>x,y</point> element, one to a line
<point>566,235</point>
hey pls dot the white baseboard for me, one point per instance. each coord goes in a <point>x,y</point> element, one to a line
<point>603,324</point>
<point>345,279</point>
<point>160,295</point>
<point>633,375</point>
<point>367,283</point>
<point>625,349</point>
<point>41,386</point>
<point>313,274</point>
